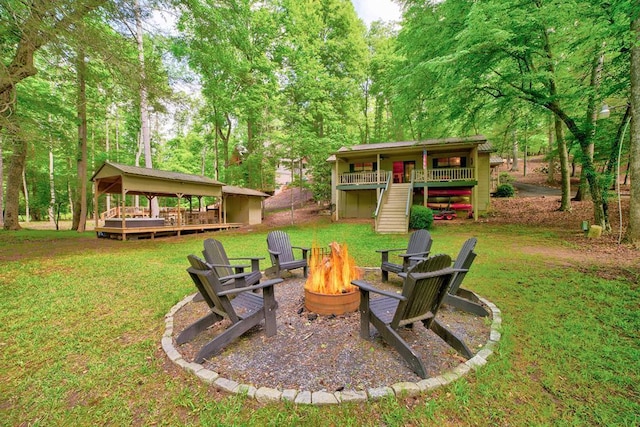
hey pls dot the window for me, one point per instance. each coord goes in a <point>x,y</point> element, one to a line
<point>449,162</point>
<point>363,167</point>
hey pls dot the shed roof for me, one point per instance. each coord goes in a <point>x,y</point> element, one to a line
<point>496,160</point>
<point>230,189</point>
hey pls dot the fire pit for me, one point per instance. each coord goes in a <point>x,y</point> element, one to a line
<point>328,289</point>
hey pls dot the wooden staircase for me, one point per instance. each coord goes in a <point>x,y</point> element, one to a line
<point>392,216</point>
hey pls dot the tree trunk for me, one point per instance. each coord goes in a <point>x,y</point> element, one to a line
<point>225,139</point>
<point>514,147</point>
<point>551,172</point>
<point>154,209</point>
<point>632,234</point>
<point>17,161</point>
<point>52,190</point>
<point>565,173</point>
<point>525,157</point>
<point>1,185</point>
<point>80,202</point>
<point>25,191</point>
<point>136,198</point>
<point>216,153</point>
<point>599,210</point>
<point>106,150</point>
<point>588,147</point>
<point>617,143</point>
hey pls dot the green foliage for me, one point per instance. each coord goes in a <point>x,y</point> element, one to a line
<point>420,217</point>
<point>505,190</point>
<point>506,178</point>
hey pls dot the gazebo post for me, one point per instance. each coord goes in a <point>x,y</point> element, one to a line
<point>179,216</point>
<point>124,213</point>
<point>95,203</point>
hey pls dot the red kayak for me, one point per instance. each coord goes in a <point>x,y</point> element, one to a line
<point>449,192</point>
<point>455,206</point>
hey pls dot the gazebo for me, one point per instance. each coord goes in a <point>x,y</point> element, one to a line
<point>122,220</point>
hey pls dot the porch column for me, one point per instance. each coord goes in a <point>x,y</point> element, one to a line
<point>378,176</point>
<point>474,191</point>
<point>337,191</point>
<point>425,189</point>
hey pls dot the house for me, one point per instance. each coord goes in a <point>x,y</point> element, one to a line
<point>383,180</point>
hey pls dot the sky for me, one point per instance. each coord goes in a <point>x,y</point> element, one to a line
<point>372,10</point>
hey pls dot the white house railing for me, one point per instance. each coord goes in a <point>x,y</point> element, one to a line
<point>368,177</point>
<point>419,175</point>
<point>443,174</point>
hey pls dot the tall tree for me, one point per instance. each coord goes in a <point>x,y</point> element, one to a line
<point>231,43</point>
<point>80,199</point>
<point>144,103</point>
<point>324,68</point>
<point>26,27</point>
<point>502,56</point>
<point>1,185</point>
<point>383,59</point>
<point>632,234</point>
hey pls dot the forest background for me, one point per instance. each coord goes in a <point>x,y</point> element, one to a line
<point>240,86</point>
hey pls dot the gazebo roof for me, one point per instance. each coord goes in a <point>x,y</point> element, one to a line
<point>118,178</point>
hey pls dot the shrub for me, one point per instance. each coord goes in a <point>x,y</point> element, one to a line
<point>421,217</point>
<point>505,190</point>
<point>505,178</point>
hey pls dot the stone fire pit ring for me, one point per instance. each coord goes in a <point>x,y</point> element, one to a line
<point>268,394</point>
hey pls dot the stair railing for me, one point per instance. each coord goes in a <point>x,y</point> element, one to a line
<point>381,200</point>
<point>407,212</point>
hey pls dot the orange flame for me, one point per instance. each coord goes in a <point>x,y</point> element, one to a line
<point>332,273</point>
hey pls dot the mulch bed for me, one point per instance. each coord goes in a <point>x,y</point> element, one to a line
<point>325,353</point>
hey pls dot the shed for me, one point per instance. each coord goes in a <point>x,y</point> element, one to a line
<point>243,205</point>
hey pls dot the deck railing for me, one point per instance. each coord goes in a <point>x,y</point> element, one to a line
<point>443,174</point>
<point>129,211</point>
<point>369,177</point>
<point>419,175</point>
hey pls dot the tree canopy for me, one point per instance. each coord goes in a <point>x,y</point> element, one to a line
<point>238,87</point>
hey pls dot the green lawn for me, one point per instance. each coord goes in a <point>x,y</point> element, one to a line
<point>82,321</point>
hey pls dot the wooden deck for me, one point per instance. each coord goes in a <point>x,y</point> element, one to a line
<point>153,232</point>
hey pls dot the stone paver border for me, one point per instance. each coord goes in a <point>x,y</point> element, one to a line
<point>267,394</point>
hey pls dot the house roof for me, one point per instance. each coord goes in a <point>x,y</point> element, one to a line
<point>481,141</point>
<point>230,189</point>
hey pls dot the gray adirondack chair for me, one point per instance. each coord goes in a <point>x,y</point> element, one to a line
<point>281,253</point>
<point>418,247</point>
<point>246,310</point>
<point>458,297</point>
<point>424,288</point>
<point>227,273</point>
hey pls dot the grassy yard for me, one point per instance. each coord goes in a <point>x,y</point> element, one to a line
<point>82,321</point>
